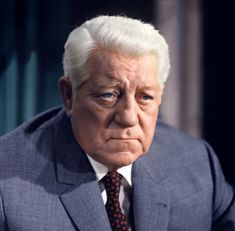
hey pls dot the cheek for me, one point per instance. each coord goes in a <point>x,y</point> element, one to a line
<point>87,115</point>
<point>148,127</point>
<point>89,124</point>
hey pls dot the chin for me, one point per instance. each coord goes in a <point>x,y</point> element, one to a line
<point>122,159</point>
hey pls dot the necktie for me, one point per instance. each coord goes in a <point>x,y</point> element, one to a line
<point>118,220</point>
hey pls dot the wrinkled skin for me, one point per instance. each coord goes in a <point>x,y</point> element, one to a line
<point>114,112</point>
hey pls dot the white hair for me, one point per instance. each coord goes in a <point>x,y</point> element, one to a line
<point>125,35</point>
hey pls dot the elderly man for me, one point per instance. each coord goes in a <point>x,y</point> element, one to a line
<point>103,161</point>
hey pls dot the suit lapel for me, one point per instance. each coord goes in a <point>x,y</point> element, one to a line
<point>151,203</point>
<point>84,205</point>
<point>151,198</point>
<point>82,199</point>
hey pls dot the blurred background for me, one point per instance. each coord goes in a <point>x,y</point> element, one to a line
<point>199,96</point>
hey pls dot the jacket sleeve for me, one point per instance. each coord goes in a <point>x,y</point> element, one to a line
<point>3,226</point>
<point>223,198</point>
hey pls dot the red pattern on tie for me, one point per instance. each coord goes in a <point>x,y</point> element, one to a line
<point>118,220</point>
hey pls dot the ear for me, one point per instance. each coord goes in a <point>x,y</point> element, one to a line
<point>66,92</point>
<point>162,87</point>
<point>160,90</point>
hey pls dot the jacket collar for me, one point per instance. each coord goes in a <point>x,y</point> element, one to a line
<point>82,199</point>
<point>151,198</point>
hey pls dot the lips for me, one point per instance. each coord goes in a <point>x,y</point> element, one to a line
<point>120,138</point>
<point>124,139</point>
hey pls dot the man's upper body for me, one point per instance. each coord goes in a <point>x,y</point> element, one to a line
<point>115,69</point>
<point>47,182</point>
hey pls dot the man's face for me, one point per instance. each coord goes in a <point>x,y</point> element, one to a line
<point>114,112</point>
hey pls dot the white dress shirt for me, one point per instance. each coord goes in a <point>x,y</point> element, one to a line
<point>125,189</point>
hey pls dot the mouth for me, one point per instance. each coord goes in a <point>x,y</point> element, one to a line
<point>123,138</point>
<point>123,144</point>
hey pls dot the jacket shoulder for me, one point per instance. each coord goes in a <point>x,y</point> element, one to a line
<point>170,136</point>
<point>38,122</point>
<point>22,144</point>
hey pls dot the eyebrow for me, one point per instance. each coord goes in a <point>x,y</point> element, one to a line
<point>116,82</point>
<point>150,88</point>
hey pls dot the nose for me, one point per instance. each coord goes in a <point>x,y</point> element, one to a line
<point>127,112</point>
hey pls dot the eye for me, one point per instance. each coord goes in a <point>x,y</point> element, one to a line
<point>107,95</point>
<point>145,97</point>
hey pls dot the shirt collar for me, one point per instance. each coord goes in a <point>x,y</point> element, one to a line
<point>101,170</point>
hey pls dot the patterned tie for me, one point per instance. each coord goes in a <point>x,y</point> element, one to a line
<point>118,220</point>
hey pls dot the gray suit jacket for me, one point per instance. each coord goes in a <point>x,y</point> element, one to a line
<point>48,184</point>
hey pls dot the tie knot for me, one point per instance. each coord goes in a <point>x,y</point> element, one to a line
<point>112,181</point>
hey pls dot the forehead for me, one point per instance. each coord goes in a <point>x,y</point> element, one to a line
<point>120,66</point>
